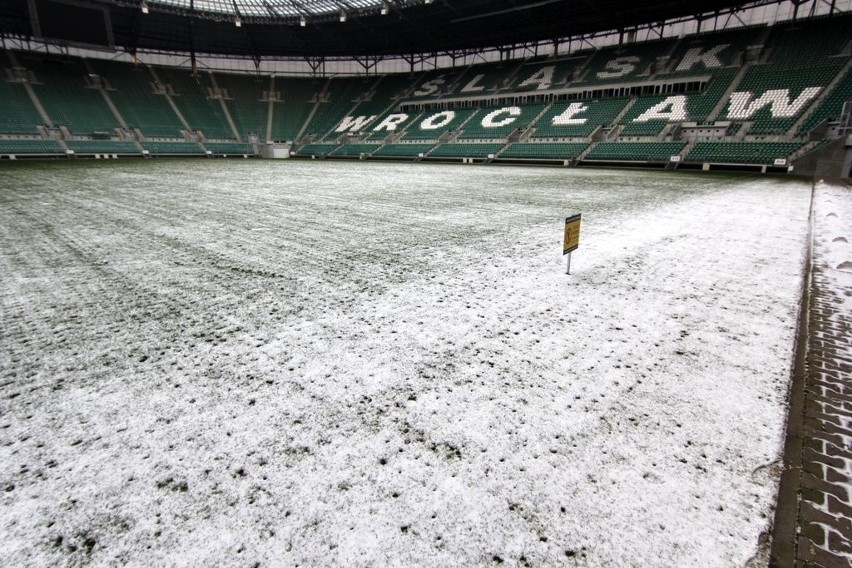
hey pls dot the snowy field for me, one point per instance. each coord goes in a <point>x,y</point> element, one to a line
<point>244,363</point>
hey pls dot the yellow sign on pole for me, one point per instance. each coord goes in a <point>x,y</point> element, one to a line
<point>572,234</point>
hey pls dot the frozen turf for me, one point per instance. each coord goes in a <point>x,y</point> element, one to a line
<point>309,363</point>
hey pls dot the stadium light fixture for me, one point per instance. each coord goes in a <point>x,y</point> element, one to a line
<point>238,21</point>
<point>144,7</point>
<point>385,9</point>
<point>342,16</point>
<point>427,1</point>
<point>302,21</point>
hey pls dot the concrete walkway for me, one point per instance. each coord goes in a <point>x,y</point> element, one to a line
<point>813,524</point>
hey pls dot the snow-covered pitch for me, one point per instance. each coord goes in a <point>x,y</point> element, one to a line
<point>246,363</point>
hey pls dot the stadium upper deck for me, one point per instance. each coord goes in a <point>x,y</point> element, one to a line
<point>757,97</point>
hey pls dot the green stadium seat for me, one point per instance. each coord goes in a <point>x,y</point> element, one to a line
<point>514,116</point>
<point>544,150</point>
<point>741,152</point>
<point>432,124</point>
<point>793,90</point>
<point>18,115</point>
<point>635,151</point>
<point>102,147</point>
<point>166,148</point>
<point>229,148</point>
<point>66,97</point>
<point>132,92</point>
<point>191,96</point>
<point>355,149</point>
<point>342,99</point>
<point>625,62</point>
<point>242,96</point>
<point>403,150</point>
<point>465,150</point>
<point>294,107</point>
<point>596,113</point>
<point>832,107</point>
<point>30,147</point>
<point>317,149</point>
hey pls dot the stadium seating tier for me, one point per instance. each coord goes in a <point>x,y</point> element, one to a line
<point>632,102</point>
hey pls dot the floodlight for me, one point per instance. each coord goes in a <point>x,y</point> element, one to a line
<point>302,21</point>
<point>144,7</point>
<point>385,9</point>
<point>238,22</point>
<point>342,16</point>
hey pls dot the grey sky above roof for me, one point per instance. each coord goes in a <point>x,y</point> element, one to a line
<point>284,8</point>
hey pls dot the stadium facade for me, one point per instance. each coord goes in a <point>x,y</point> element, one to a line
<point>769,98</point>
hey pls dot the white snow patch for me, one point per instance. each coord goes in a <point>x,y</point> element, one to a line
<point>396,371</point>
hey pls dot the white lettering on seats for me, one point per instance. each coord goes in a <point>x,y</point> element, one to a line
<point>619,67</point>
<point>472,86</point>
<point>438,120</point>
<point>488,121</point>
<point>741,105</point>
<point>672,109</point>
<point>354,123</point>
<point>567,117</point>
<point>430,87</point>
<point>543,78</point>
<point>694,56</point>
<point>390,122</point>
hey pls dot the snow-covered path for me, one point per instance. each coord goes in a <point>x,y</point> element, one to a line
<point>383,365</point>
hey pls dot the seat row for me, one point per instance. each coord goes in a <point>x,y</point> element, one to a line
<point>720,152</point>
<point>34,147</point>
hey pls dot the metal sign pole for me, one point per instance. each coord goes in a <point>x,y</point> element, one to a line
<point>569,264</point>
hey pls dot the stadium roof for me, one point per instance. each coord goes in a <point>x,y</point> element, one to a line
<point>281,8</point>
<point>333,28</point>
